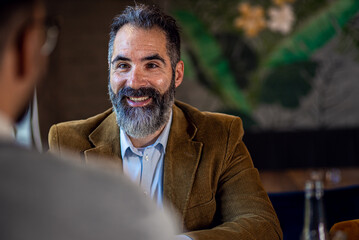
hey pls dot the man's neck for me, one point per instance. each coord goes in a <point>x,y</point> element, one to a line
<point>146,141</point>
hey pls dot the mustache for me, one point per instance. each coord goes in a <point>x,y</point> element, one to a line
<point>141,92</point>
<point>119,99</point>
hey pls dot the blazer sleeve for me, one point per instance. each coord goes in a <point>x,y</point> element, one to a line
<point>53,139</point>
<point>243,209</point>
<point>65,140</point>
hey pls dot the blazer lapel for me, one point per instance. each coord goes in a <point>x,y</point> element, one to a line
<point>106,141</point>
<point>181,161</point>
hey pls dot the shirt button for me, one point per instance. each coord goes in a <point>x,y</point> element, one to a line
<point>146,157</point>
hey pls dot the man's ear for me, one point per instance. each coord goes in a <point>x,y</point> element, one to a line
<point>25,50</point>
<point>179,73</point>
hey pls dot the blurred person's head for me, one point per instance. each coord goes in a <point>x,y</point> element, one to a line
<point>22,61</point>
<point>144,69</point>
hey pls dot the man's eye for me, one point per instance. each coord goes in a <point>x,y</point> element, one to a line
<point>152,65</point>
<point>123,66</point>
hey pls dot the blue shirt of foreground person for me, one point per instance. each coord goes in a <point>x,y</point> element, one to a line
<point>43,197</point>
<point>201,167</point>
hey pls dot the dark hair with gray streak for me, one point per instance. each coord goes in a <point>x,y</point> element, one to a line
<point>147,17</point>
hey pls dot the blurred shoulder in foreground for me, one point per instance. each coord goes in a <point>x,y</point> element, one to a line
<point>42,197</point>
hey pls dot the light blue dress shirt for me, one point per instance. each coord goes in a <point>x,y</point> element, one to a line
<point>144,166</point>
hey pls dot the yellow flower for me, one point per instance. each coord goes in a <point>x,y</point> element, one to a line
<point>281,2</point>
<point>251,19</point>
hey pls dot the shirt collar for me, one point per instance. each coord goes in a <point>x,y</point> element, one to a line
<point>6,128</point>
<point>161,140</point>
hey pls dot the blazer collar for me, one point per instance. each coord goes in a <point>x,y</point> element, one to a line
<point>181,161</point>
<point>106,141</point>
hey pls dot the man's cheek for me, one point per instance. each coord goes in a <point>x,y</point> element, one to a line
<point>116,83</point>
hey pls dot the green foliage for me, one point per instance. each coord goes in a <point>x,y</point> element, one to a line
<point>241,57</point>
<point>210,62</point>
<point>313,34</point>
<point>278,68</point>
<point>287,84</point>
<point>300,45</point>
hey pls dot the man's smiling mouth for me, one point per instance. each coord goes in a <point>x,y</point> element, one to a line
<point>138,101</point>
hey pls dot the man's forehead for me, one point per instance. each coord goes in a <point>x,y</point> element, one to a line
<point>130,32</point>
<point>128,29</point>
<point>134,39</point>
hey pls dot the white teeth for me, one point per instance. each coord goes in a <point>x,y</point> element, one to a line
<point>138,99</point>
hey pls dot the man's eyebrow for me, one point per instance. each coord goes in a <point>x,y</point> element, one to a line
<point>120,58</point>
<point>154,57</point>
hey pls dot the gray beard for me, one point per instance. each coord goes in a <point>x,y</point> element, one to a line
<point>140,122</point>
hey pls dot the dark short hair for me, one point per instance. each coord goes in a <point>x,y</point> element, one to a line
<point>9,11</point>
<point>147,17</point>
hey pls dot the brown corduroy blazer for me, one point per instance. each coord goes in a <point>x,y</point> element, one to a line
<point>209,176</point>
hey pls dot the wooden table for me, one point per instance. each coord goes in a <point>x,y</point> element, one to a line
<point>294,179</point>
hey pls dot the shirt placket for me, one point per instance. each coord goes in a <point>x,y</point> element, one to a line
<point>149,165</point>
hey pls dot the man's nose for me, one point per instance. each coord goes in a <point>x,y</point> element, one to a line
<point>137,79</point>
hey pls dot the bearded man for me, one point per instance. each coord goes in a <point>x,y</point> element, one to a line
<point>195,161</point>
